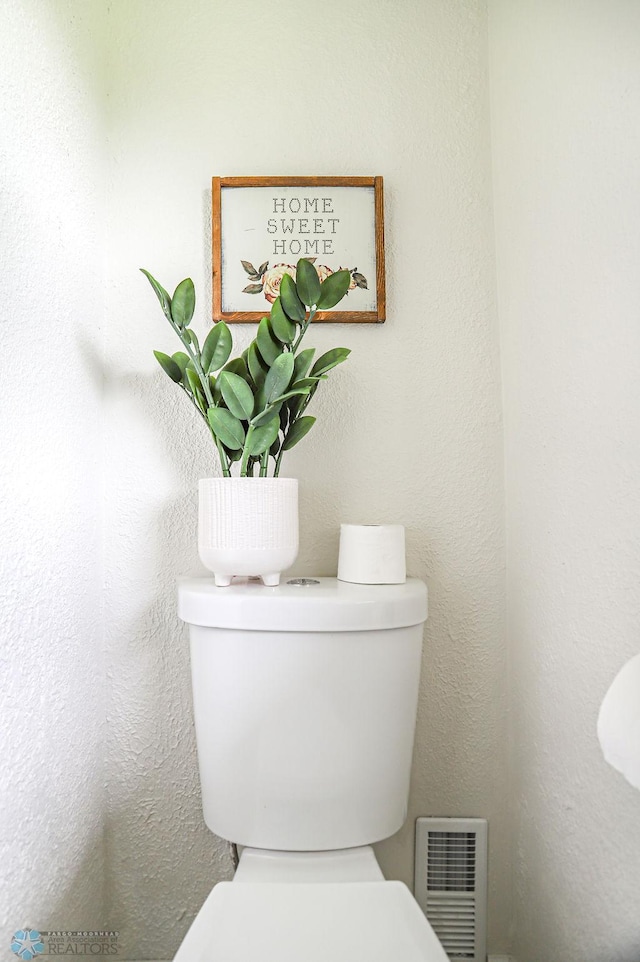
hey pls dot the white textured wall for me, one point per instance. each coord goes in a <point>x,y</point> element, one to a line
<point>409,431</point>
<point>51,289</point>
<point>566,138</point>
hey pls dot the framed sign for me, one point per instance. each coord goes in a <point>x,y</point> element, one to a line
<point>262,226</point>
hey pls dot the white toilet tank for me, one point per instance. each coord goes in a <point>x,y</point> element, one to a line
<point>305,701</point>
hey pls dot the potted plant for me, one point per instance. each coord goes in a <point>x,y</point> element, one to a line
<point>254,407</point>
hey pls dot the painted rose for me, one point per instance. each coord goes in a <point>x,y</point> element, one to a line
<point>272,279</point>
<point>323,271</point>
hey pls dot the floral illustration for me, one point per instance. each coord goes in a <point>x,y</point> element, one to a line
<point>266,280</point>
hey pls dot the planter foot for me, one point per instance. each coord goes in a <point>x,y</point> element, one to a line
<point>271,580</point>
<point>222,581</point>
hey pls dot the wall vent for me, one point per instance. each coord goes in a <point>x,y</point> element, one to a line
<point>451,883</point>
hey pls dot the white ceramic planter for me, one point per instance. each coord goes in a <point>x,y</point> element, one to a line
<point>248,526</point>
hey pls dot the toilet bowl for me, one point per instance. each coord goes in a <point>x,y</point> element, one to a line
<point>305,699</point>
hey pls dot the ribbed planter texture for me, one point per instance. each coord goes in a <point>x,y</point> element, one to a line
<point>248,526</point>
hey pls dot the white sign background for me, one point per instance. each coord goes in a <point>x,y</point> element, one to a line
<point>336,225</point>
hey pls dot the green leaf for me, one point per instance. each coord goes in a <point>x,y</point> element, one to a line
<point>267,414</point>
<point>257,370</point>
<point>293,306</point>
<point>161,294</point>
<point>191,337</point>
<point>194,380</point>
<point>237,395</point>
<point>169,366</point>
<point>302,363</point>
<point>297,431</point>
<point>216,348</point>
<point>268,347</point>
<point>196,389</point>
<point>307,282</point>
<point>183,303</point>
<point>226,427</point>
<point>238,366</point>
<point>282,327</point>
<point>261,438</point>
<point>235,366</point>
<point>279,377</point>
<point>333,289</point>
<point>298,392</point>
<point>308,382</point>
<point>300,388</point>
<point>294,405</point>
<point>329,360</point>
<point>181,360</point>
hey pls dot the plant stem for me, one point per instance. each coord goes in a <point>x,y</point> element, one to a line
<point>245,453</point>
<point>195,403</point>
<point>305,403</point>
<point>264,464</point>
<point>303,408</point>
<point>206,387</point>
<point>224,463</point>
<point>204,380</point>
<point>294,348</point>
<point>303,329</point>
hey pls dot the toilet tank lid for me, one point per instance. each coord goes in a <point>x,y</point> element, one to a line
<point>301,604</point>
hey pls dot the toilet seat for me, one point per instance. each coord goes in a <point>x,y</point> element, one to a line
<point>311,922</point>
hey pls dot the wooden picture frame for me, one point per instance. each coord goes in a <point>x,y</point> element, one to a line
<point>261,226</point>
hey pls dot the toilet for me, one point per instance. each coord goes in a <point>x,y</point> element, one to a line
<point>305,699</point>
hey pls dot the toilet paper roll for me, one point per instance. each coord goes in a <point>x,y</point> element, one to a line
<point>372,554</point>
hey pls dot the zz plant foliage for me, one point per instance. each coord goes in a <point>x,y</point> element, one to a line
<point>254,405</point>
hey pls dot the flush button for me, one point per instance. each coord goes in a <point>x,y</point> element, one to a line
<point>303,582</point>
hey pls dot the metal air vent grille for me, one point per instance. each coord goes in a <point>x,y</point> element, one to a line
<point>451,883</point>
